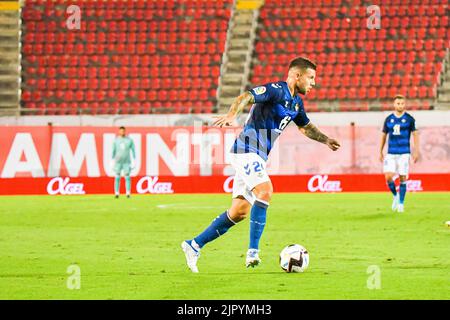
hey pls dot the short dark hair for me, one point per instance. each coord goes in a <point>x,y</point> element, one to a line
<point>399,96</point>
<point>122,127</point>
<point>302,63</point>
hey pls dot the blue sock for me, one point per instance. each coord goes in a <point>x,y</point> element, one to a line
<point>402,192</point>
<point>257,222</point>
<point>391,186</point>
<point>218,227</point>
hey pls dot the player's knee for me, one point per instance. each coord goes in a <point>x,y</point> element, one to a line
<point>402,179</point>
<point>265,196</point>
<point>240,215</point>
<point>239,212</point>
<point>389,177</point>
<point>264,193</point>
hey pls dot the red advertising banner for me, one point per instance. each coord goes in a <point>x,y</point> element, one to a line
<point>216,184</point>
<point>87,151</point>
<point>76,160</point>
<point>190,151</point>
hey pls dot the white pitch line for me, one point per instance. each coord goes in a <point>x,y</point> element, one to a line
<point>98,210</point>
<point>182,206</point>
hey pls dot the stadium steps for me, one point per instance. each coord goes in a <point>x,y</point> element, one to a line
<point>235,68</point>
<point>232,78</point>
<point>8,83</point>
<point>9,62</point>
<point>443,97</point>
<point>6,50</point>
<point>241,31</point>
<point>227,102</point>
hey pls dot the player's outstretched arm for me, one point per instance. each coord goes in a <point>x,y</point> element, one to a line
<point>312,132</point>
<point>241,102</point>
<point>416,153</point>
<point>383,142</point>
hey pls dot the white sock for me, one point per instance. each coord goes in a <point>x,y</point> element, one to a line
<point>195,245</point>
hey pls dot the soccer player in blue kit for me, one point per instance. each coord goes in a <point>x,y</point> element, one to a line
<point>398,126</point>
<point>274,106</point>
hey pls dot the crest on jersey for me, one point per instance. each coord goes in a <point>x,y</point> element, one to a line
<point>259,90</point>
<point>392,120</point>
<point>297,107</point>
<point>403,120</point>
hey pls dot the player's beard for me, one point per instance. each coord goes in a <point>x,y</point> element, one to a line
<point>301,90</point>
<point>400,110</point>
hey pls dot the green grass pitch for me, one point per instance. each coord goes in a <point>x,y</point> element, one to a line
<point>130,248</point>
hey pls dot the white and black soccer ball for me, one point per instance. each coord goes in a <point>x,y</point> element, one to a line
<point>294,258</point>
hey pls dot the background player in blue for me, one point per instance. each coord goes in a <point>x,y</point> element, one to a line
<point>398,126</point>
<point>274,106</point>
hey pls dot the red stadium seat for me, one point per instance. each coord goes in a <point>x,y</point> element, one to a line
<point>409,43</point>
<point>111,57</point>
<point>134,49</point>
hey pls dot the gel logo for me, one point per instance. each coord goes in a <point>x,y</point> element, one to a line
<point>60,185</point>
<point>321,183</point>
<point>151,185</point>
<point>228,184</point>
<point>414,185</point>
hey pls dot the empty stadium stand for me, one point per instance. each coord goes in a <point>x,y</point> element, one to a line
<point>129,56</point>
<point>356,63</point>
<point>9,58</point>
<point>152,56</point>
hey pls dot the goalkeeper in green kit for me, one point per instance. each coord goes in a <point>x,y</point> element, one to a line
<point>123,155</point>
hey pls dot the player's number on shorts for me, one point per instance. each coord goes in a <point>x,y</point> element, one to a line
<point>257,167</point>
<point>396,130</point>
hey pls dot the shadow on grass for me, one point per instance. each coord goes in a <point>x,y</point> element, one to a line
<point>374,216</point>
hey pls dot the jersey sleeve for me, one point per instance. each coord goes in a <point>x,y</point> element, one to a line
<point>413,125</point>
<point>385,128</point>
<point>269,92</point>
<point>301,119</point>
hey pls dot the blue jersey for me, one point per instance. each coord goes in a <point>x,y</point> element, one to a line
<point>273,110</point>
<point>399,131</point>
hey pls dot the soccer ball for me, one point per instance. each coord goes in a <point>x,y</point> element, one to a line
<point>294,258</point>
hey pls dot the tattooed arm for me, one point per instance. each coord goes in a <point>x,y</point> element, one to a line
<point>312,132</point>
<point>244,100</point>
